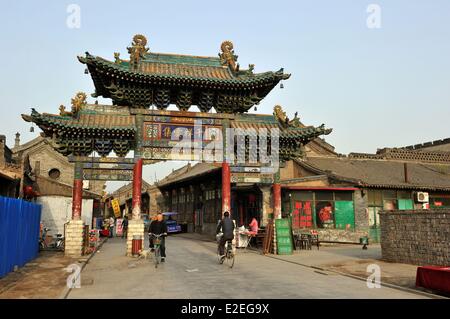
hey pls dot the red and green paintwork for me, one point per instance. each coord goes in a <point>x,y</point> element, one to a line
<point>117,129</point>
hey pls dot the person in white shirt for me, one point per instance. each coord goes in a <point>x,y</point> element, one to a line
<point>111,226</point>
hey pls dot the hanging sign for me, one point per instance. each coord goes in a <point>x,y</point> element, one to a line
<point>116,207</point>
<point>108,174</point>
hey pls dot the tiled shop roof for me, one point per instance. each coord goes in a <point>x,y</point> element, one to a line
<point>186,172</point>
<point>382,173</point>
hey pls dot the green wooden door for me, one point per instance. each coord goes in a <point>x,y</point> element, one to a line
<point>344,213</point>
<point>405,204</point>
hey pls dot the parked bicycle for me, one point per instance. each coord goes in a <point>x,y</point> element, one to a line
<point>229,256</point>
<point>57,243</point>
<point>157,248</point>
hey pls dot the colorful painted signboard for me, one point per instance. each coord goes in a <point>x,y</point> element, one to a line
<point>178,138</point>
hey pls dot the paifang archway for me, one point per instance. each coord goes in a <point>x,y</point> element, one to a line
<point>151,80</point>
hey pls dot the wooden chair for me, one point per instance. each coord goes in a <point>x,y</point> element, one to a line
<point>296,240</point>
<point>259,238</point>
<point>305,241</point>
<point>314,239</point>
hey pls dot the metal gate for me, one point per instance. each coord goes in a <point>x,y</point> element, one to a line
<point>19,233</point>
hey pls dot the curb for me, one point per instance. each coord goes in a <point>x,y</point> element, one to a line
<point>67,290</point>
<point>384,284</point>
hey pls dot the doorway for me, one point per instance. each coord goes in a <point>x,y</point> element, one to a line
<point>246,204</point>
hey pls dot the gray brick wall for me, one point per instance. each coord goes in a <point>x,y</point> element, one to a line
<point>340,235</point>
<point>420,237</point>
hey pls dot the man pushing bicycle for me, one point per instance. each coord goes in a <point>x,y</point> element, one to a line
<point>158,227</point>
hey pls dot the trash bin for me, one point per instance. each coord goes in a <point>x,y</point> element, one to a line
<point>184,228</point>
<point>136,245</point>
<point>364,241</point>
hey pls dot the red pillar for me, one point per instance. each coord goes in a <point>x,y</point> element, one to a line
<point>276,201</point>
<point>137,189</point>
<point>226,188</point>
<point>77,192</point>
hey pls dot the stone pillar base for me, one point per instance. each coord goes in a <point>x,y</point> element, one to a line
<point>275,248</point>
<point>135,227</point>
<point>74,238</point>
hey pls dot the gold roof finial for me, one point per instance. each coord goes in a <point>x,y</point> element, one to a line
<point>78,101</point>
<point>283,119</point>
<point>137,49</point>
<point>227,57</point>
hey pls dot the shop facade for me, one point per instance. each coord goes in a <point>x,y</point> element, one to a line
<point>194,192</point>
<point>341,197</point>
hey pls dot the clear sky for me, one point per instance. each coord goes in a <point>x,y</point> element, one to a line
<point>376,87</point>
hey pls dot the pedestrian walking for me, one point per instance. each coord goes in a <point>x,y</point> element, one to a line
<point>125,227</point>
<point>111,226</point>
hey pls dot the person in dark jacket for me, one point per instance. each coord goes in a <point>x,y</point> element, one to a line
<point>159,227</point>
<point>125,227</point>
<point>226,226</point>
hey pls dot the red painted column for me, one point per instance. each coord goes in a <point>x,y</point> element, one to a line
<point>77,192</point>
<point>137,189</point>
<point>276,201</point>
<point>226,187</point>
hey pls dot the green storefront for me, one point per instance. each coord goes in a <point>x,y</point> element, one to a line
<point>317,208</point>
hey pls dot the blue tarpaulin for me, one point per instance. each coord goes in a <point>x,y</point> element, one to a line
<point>19,233</point>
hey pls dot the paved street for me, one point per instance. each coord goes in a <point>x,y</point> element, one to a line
<point>192,271</point>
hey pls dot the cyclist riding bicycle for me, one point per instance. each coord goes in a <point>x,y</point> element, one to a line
<point>159,227</point>
<point>227,227</point>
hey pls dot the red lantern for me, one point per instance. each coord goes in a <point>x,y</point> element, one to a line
<point>29,192</point>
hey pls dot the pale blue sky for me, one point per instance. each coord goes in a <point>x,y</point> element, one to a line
<point>374,87</point>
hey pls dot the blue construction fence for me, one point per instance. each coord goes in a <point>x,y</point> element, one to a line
<point>19,233</point>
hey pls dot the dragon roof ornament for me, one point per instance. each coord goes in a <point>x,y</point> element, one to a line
<point>78,102</point>
<point>227,57</point>
<point>282,118</point>
<point>137,49</point>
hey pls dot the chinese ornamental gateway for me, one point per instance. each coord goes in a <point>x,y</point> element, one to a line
<point>141,89</point>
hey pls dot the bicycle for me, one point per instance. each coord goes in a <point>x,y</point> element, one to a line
<point>58,243</point>
<point>157,248</point>
<point>229,254</point>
